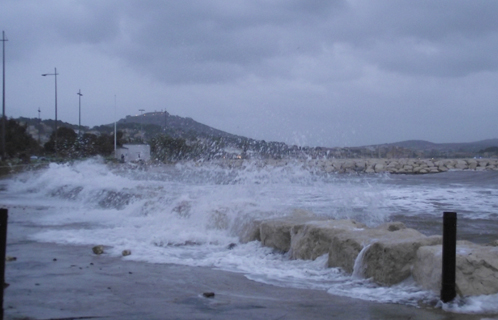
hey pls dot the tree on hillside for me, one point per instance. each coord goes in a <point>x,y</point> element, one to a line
<point>166,148</point>
<point>18,141</point>
<point>66,139</point>
<point>489,151</point>
<point>70,145</point>
<point>87,145</point>
<point>103,144</point>
<point>91,145</point>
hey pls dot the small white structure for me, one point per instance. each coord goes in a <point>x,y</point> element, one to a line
<point>133,152</point>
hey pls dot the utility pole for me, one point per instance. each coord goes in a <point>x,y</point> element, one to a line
<point>39,126</point>
<point>3,95</point>
<point>141,124</point>
<point>115,127</point>
<point>79,123</point>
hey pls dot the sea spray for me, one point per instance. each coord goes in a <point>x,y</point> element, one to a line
<point>190,213</point>
<point>359,263</point>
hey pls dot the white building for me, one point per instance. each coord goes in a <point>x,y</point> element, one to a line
<point>133,152</point>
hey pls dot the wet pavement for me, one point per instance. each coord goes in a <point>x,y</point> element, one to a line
<point>50,281</point>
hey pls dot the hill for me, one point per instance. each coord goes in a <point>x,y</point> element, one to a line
<point>176,126</point>
<point>191,139</point>
<point>446,149</point>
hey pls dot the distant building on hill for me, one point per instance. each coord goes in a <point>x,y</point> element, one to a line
<point>133,152</point>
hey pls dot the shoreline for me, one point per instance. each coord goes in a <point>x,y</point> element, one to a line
<point>409,166</point>
<point>79,284</point>
<point>52,281</point>
<point>375,165</point>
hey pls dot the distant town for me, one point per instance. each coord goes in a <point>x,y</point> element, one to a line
<point>173,138</point>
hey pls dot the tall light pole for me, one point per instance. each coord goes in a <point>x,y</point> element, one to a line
<point>115,131</point>
<point>141,124</point>
<point>3,95</point>
<point>39,125</point>
<point>79,123</point>
<point>55,125</point>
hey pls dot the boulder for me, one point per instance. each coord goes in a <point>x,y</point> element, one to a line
<point>369,169</point>
<point>472,164</point>
<point>461,164</point>
<point>250,231</point>
<point>346,246</point>
<point>379,167</point>
<point>98,249</point>
<point>408,168</point>
<point>349,164</point>
<point>311,240</point>
<point>442,168</point>
<point>329,169</point>
<point>493,243</point>
<point>388,255</point>
<point>393,166</point>
<point>208,294</point>
<point>360,165</point>
<point>476,269</point>
<point>390,260</point>
<point>276,233</point>
<point>482,163</point>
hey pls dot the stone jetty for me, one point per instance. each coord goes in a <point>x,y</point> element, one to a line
<point>388,254</point>
<point>372,165</point>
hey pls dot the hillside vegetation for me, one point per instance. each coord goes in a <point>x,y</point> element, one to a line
<point>173,138</point>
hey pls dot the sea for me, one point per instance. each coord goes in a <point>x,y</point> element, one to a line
<point>192,214</point>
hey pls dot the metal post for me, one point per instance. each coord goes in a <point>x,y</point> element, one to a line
<point>55,75</point>
<point>39,126</point>
<point>115,127</point>
<point>141,124</point>
<point>3,96</point>
<point>79,122</point>
<point>4,213</point>
<point>448,291</point>
<point>55,125</point>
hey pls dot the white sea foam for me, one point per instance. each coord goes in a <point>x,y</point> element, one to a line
<point>478,304</point>
<point>189,214</point>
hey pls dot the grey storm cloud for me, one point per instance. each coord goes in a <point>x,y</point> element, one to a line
<point>199,41</point>
<point>344,72</point>
<point>196,41</point>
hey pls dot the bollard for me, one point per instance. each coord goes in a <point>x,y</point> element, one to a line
<point>4,213</point>
<point>448,291</point>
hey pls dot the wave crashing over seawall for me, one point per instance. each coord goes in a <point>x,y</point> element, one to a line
<point>193,213</point>
<point>388,254</point>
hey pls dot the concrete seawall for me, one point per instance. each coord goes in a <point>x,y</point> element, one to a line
<point>387,254</point>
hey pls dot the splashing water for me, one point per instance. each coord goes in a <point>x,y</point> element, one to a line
<point>359,265</point>
<point>192,214</point>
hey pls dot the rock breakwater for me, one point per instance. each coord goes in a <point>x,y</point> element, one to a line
<point>388,254</point>
<point>371,165</point>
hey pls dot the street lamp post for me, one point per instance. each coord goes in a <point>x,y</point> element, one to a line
<point>55,125</point>
<point>141,124</point>
<point>39,125</point>
<point>79,123</point>
<point>3,95</point>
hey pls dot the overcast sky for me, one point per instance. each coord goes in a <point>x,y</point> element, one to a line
<point>306,72</point>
